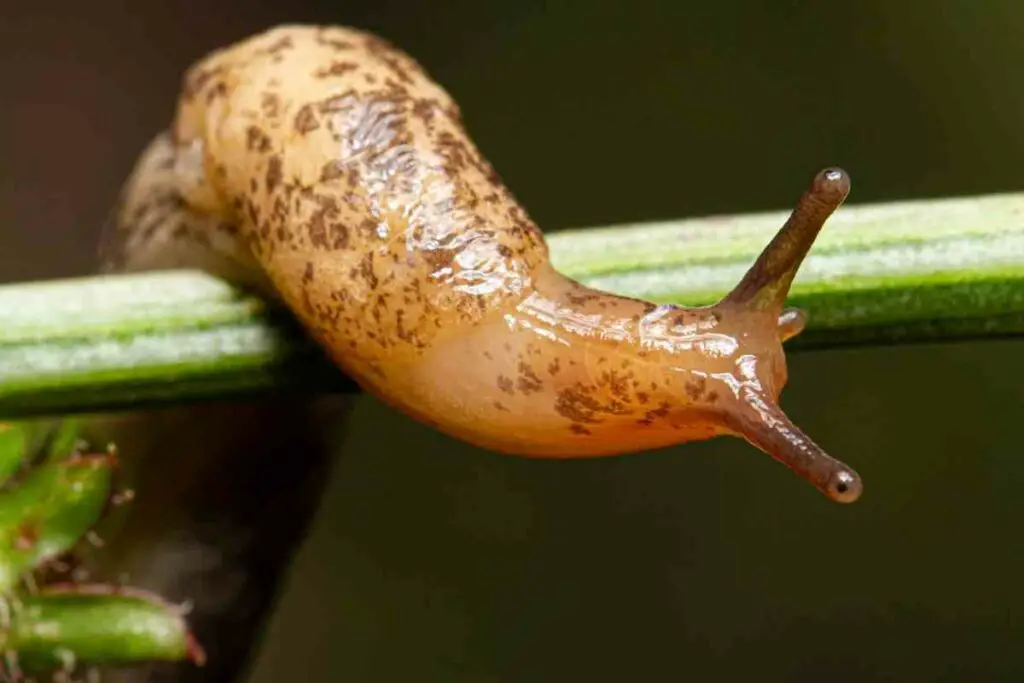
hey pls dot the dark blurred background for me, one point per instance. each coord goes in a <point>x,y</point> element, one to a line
<point>433,561</point>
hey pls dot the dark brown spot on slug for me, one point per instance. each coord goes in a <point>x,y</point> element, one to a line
<point>335,69</point>
<point>274,173</point>
<point>220,89</point>
<point>324,39</point>
<point>528,382</point>
<point>256,140</point>
<point>695,388</point>
<point>577,405</point>
<point>305,120</point>
<point>617,383</point>
<point>332,170</point>
<point>366,270</point>
<point>270,104</point>
<point>424,109</point>
<point>198,78</point>
<point>278,46</point>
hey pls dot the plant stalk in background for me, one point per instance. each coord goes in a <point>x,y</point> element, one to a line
<point>898,272</point>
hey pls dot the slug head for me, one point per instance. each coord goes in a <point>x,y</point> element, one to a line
<point>754,315</point>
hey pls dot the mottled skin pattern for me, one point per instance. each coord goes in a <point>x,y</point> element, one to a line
<point>324,166</point>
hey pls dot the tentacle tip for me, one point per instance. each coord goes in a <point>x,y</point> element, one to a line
<point>844,486</point>
<point>767,282</point>
<point>792,321</point>
<point>832,185</point>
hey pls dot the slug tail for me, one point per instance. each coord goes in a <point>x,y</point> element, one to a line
<point>767,283</point>
<point>762,423</point>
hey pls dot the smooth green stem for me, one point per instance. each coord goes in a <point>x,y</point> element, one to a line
<point>879,274</point>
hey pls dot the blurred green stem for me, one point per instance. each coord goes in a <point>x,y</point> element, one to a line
<point>49,512</point>
<point>64,627</point>
<point>898,272</point>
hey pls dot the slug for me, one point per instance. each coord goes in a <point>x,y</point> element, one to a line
<point>324,167</point>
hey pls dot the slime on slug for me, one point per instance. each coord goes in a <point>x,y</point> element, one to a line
<point>324,167</point>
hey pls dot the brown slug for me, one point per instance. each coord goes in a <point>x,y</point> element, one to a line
<point>324,167</point>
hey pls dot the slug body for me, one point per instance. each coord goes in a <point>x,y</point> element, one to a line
<point>325,168</point>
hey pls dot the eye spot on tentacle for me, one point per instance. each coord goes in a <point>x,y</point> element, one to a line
<point>833,183</point>
<point>845,486</point>
<point>766,284</point>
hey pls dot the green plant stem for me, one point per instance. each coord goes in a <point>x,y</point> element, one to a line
<point>65,627</point>
<point>887,273</point>
<point>50,511</point>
